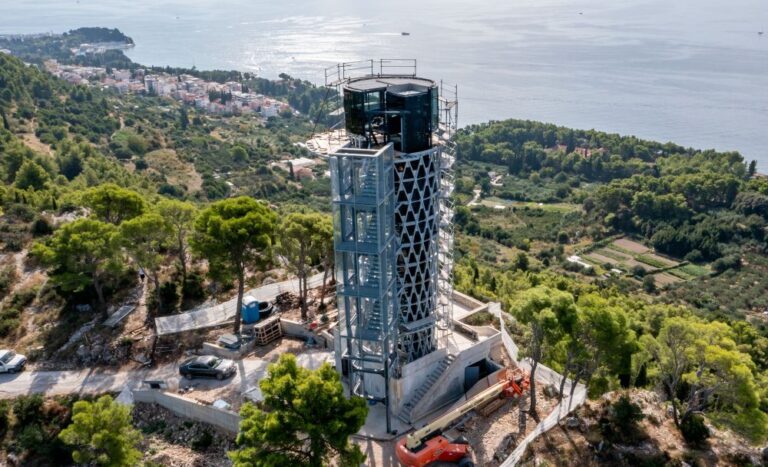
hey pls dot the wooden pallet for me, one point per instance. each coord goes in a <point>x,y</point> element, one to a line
<point>267,331</point>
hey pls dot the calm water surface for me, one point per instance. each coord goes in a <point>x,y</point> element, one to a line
<point>691,71</point>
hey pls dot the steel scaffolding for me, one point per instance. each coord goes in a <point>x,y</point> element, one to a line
<point>366,289</point>
<point>448,124</point>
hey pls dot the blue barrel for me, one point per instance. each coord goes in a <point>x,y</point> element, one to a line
<point>250,310</point>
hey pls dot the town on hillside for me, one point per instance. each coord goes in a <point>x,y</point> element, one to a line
<point>219,98</point>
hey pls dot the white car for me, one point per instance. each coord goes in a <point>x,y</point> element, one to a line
<point>11,362</point>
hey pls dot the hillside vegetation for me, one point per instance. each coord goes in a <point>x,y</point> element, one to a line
<point>98,186</point>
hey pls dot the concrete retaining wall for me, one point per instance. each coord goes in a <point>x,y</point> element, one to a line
<point>450,386</point>
<point>401,388</point>
<point>224,419</point>
<point>468,302</point>
<point>295,329</point>
<point>213,349</point>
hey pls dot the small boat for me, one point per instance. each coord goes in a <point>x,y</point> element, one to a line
<point>759,33</point>
<point>405,33</point>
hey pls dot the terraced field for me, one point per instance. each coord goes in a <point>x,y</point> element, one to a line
<point>626,254</point>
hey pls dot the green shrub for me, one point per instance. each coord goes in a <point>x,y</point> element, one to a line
<point>649,284</point>
<point>41,226</point>
<point>202,442</point>
<point>694,256</point>
<point>193,287</point>
<point>19,213</point>
<point>154,427</point>
<point>625,415</point>
<point>32,437</point>
<point>8,325</point>
<point>5,420</point>
<point>27,409</point>
<point>169,295</point>
<point>7,278</point>
<point>23,297</point>
<point>727,262</point>
<point>694,429</point>
<point>140,164</point>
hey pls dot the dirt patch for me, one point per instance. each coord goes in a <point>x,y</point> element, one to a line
<point>31,140</point>
<point>666,279</point>
<point>597,258</point>
<point>631,263</point>
<point>657,442</point>
<point>494,437</point>
<point>614,253</point>
<point>632,246</point>
<point>166,162</point>
<point>178,442</point>
<point>272,352</point>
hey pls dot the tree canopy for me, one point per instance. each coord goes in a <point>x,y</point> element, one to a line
<point>306,421</point>
<point>81,253</point>
<point>113,204</point>
<point>304,241</point>
<point>235,234</point>
<point>102,434</point>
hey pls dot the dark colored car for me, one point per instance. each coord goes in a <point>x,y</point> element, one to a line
<point>207,366</point>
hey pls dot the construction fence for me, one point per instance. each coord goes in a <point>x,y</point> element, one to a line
<point>544,375</point>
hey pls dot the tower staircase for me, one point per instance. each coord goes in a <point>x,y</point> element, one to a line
<point>425,388</point>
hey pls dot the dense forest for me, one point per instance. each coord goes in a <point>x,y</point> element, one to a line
<point>97,185</point>
<point>700,205</point>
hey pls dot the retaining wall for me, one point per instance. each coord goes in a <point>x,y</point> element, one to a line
<point>213,349</point>
<point>224,419</point>
<point>450,386</point>
<point>295,329</point>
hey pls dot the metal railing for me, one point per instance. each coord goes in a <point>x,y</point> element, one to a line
<point>343,72</point>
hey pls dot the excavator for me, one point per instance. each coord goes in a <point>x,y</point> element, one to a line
<point>428,444</point>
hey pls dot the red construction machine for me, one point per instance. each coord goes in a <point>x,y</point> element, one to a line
<point>428,444</point>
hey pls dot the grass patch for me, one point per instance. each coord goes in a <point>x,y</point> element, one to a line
<point>611,254</point>
<point>615,247</point>
<point>654,261</point>
<point>679,272</point>
<point>694,270</point>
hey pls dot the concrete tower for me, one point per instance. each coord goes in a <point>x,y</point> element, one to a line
<point>392,219</point>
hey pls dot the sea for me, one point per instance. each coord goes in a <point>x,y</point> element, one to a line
<point>694,72</point>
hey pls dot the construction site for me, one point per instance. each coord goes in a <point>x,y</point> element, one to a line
<point>439,389</point>
<point>442,377</point>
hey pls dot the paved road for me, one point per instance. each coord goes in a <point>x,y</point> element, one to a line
<point>101,381</point>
